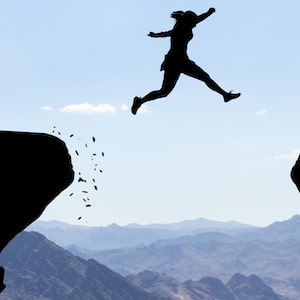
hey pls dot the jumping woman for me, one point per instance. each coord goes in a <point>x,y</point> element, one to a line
<point>177,60</point>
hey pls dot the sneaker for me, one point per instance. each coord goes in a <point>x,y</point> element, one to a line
<point>230,96</point>
<point>135,105</point>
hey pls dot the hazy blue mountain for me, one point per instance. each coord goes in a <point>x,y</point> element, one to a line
<point>115,236</point>
<point>278,231</point>
<point>36,268</point>
<point>239,287</point>
<point>200,223</point>
<point>99,238</point>
<point>276,260</point>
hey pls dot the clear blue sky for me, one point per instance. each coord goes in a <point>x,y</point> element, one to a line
<point>77,65</point>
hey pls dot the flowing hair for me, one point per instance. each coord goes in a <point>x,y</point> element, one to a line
<point>177,14</point>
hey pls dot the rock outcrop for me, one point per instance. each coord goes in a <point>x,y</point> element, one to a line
<point>35,168</point>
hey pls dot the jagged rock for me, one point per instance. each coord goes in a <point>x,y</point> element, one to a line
<point>2,285</point>
<point>251,287</point>
<point>295,173</point>
<point>35,168</point>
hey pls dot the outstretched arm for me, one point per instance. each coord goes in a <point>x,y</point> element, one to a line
<point>202,17</point>
<point>160,34</point>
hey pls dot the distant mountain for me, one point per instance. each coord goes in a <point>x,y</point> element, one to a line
<point>115,236</point>
<point>200,223</point>
<point>99,238</point>
<point>278,231</point>
<point>276,260</point>
<point>39,269</point>
<point>239,287</point>
<point>36,268</point>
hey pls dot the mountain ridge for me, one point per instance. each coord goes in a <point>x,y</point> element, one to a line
<point>39,269</point>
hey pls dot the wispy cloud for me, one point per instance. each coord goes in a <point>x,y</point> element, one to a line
<point>124,107</point>
<point>46,108</point>
<point>288,156</point>
<point>261,112</point>
<point>87,108</point>
<point>144,109</point>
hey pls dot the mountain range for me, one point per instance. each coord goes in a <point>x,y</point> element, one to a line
<point>37,268</point>
<point>272,253</point>
<point>115,236</point>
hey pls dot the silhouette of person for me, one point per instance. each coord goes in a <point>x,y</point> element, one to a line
<point>177,61</point>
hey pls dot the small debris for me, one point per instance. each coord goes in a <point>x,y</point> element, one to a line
<point>81,179</point>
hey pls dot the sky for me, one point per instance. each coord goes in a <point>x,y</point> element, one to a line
<point>77,65</point>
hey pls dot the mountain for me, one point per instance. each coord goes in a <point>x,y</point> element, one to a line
<point>251,287</point>
<point>36,268</point>
<point>263,252</point>
<point>99,238</point>
<point>278,231</point>
<point>200,223</point>
<point>239,287</point>
<point>115,236</point>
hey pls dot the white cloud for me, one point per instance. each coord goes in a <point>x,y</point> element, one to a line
<point>290,156</point>
<point>261,112</point>
<point>124,107</point>
<point>144,109</point>
<point>87,108</point>
<point>46,108</point>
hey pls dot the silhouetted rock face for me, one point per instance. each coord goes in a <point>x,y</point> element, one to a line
<point>35,168</point>
<point>295,173</point>
<point>251,287</point>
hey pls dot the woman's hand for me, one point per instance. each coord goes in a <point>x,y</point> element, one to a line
<point>211,10</point>
<point>151,34</point>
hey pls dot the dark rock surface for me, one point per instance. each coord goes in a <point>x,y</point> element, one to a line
<point>295,173</point>
<point>35,168</point>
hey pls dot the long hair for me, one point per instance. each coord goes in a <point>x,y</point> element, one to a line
<point>188,17</point>
<point>177,14</point>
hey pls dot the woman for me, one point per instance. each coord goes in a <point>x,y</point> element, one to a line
<point>177,60</point>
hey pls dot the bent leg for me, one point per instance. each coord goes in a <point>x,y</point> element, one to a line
<point>169,81</point>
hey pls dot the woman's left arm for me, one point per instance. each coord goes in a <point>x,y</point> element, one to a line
<point>202,17</point>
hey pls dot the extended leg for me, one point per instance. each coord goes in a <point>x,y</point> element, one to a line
<point>195,71</point>
<point>169,81</point>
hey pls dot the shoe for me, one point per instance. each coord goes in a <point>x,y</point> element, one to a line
<point>230,96</point>
<point>135,105</point>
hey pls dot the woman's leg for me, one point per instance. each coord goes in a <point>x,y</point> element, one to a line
<point>169,82</point>
<point>191,69</point>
